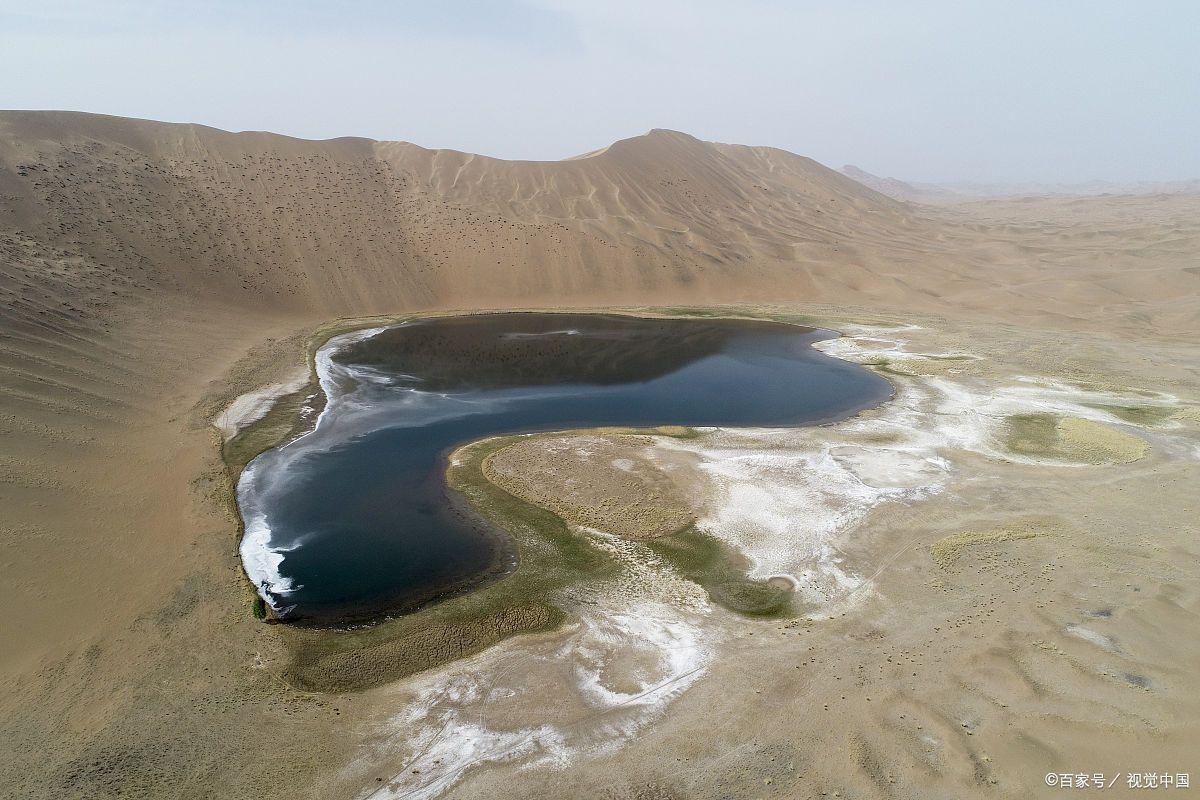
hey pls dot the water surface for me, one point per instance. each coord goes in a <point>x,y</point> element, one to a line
<point>354,519</point>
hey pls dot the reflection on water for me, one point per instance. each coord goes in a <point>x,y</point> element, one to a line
<point>354,519</point>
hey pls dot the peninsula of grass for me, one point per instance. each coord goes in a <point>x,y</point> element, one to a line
<point>551,557</point>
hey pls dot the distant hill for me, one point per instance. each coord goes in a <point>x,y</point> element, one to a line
<point>103,217</point>
<point>954,192</point>
<point>140,209</point>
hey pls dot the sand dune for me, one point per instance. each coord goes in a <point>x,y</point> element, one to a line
<point>151,272</point>
<point>143,209</point>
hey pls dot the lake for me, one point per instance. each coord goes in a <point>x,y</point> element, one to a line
<point>354,520</point>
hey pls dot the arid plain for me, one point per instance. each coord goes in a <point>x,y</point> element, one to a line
<point>997,570</point>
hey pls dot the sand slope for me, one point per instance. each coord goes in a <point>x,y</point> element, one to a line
<point>132,209</point>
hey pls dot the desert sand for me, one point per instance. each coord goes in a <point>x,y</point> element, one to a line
<point>998,568</point>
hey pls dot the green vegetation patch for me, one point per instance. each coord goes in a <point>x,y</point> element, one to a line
<point>332,661</point>
<point>887,367</point>
<point>743,312</point>
<point>1067,438</point>
<point>1111,388</point>
<point>710,563</point>
<point>923,366</point>
<point>1138,415</point>
<point>281,423</point>
<point>945,551</point>
<point>1032,434</point>
<point>879,438</point>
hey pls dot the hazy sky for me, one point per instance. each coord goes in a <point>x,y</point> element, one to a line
<point>1048,90</point>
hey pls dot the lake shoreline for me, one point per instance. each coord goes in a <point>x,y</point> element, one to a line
<point>264,552</point>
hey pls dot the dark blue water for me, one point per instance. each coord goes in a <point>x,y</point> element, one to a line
<point>360,520</point>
